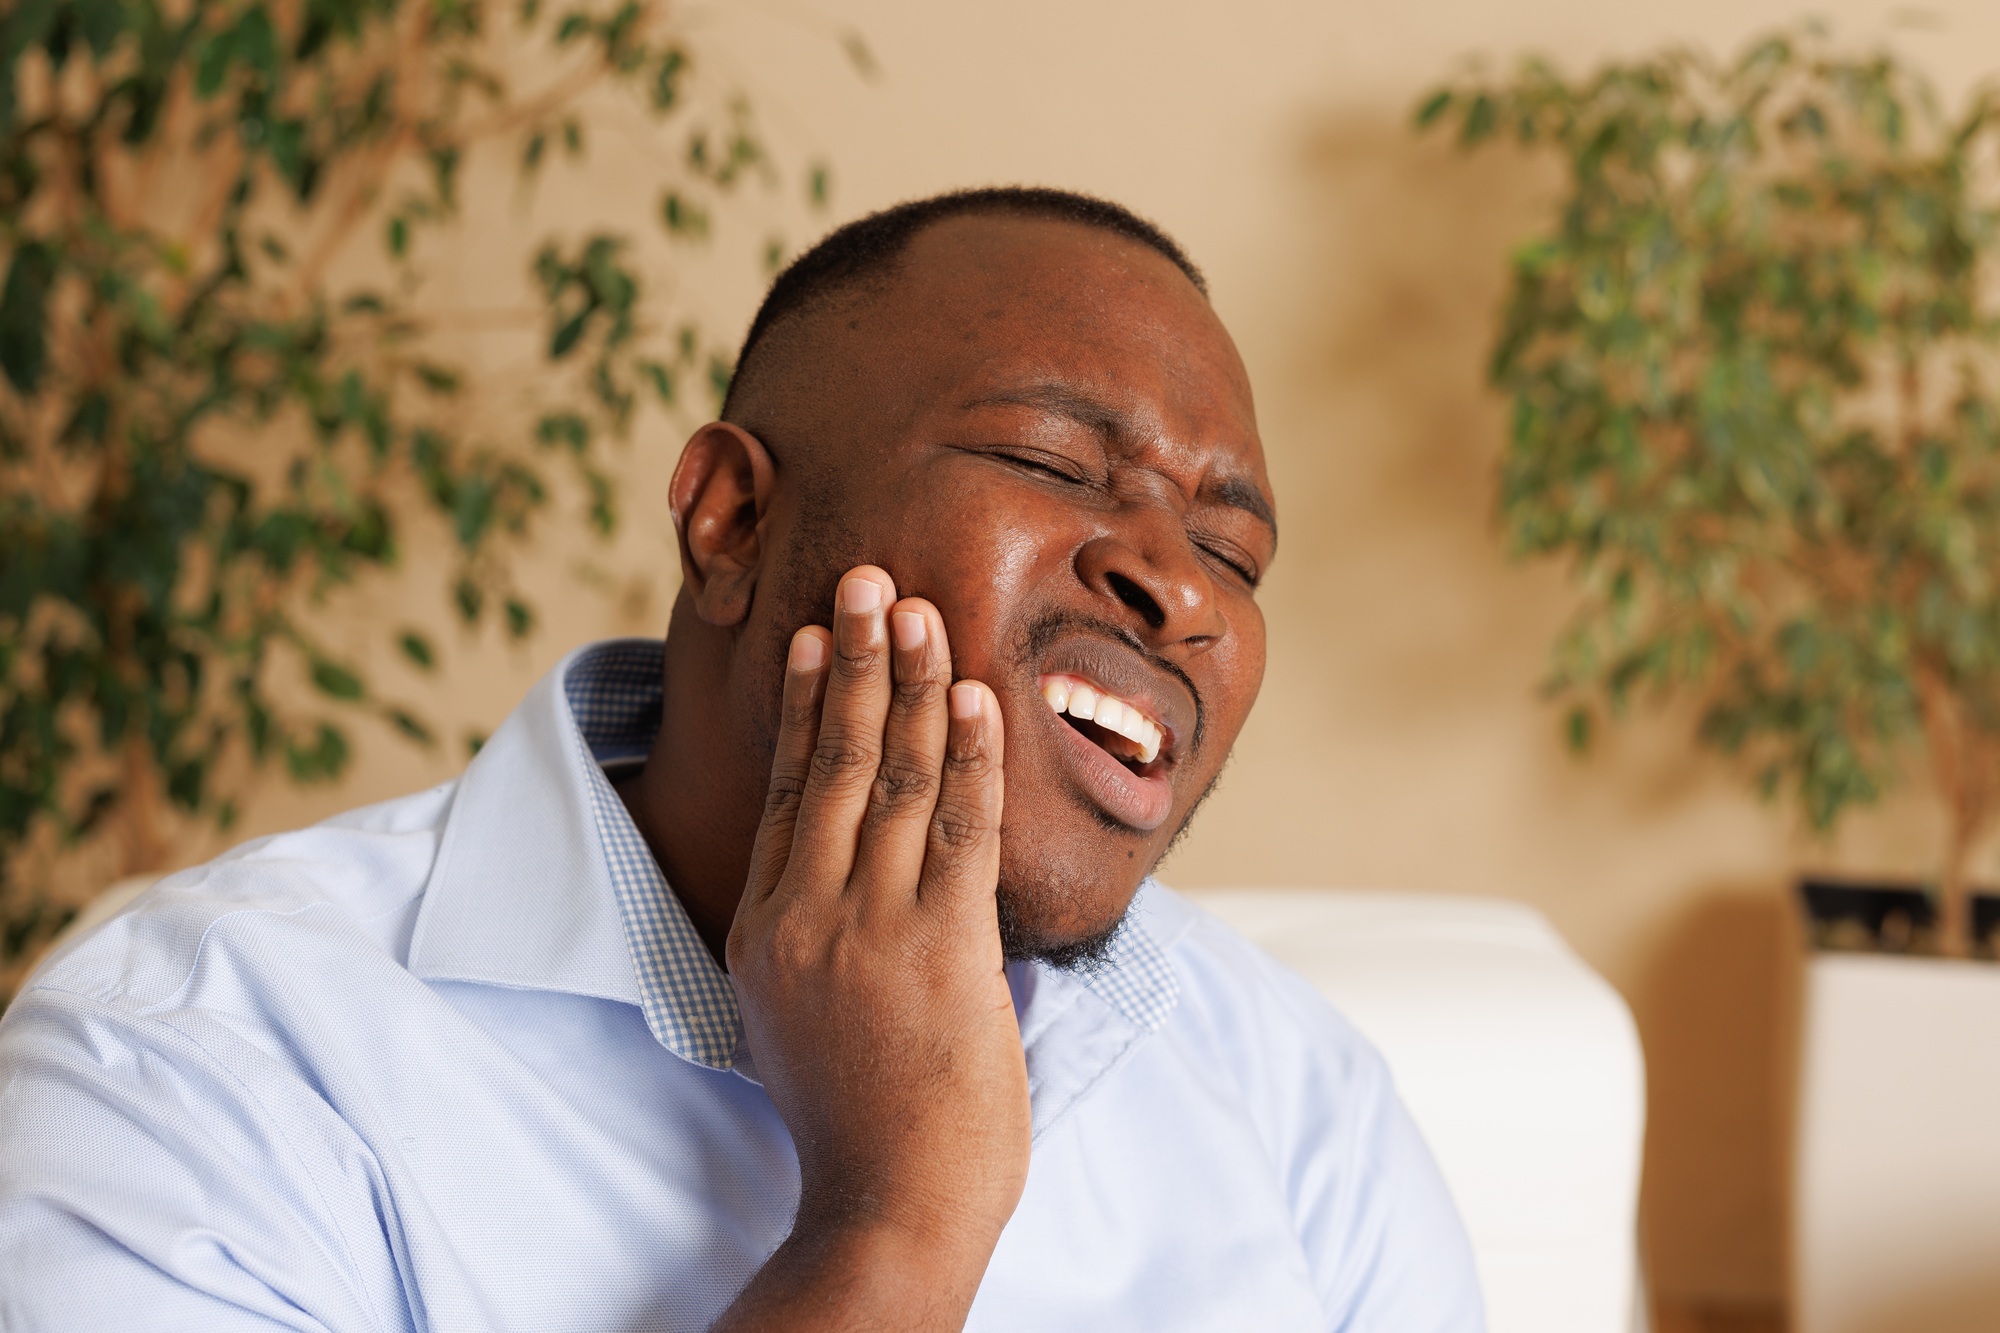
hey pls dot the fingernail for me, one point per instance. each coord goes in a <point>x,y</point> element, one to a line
<point>909,628</point>
<point>860,596</point>
<point>807,652</point>
<point>965,699</point>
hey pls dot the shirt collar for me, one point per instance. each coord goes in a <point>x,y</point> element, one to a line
<point>543,881</point>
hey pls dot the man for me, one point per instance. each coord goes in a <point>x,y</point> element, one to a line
<point>805,974</point>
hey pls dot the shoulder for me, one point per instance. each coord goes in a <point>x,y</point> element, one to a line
<point>1248,1009</point>
<point>354,878</point>
<point>1371,1211</point>
<point>170,1076</point>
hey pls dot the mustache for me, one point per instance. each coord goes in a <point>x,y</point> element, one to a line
<point>1046,630</point>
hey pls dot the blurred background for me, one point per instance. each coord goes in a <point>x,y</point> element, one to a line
<point>1400,741</point>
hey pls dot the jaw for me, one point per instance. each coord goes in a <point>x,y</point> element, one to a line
<point>1067,875</point>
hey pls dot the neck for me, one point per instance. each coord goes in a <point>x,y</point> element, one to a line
<point>699,797</point>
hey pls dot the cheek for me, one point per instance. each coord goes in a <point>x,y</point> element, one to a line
<point>981,558</point>
<point>1230,686</point>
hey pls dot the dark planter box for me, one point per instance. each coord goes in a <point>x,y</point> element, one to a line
<point>1859,916</point>
<point>1986,925</point>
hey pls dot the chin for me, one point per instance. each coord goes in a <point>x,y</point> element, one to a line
<point>1063,912</point>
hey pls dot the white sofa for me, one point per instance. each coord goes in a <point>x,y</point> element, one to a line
<point>1521,1066</point>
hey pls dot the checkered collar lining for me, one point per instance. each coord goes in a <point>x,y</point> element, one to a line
<point>614,694</point>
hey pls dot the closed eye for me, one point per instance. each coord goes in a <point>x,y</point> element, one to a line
<point>1054,465</point>
<point>1230,560</point>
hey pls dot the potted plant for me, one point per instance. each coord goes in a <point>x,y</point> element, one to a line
<point>223,391</point>
<point>1752,372</point>
<point>1754,404</point>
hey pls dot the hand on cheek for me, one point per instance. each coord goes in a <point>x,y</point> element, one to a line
<point>867,962</point>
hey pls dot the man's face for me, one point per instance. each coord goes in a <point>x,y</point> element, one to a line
<point>1044,430</point>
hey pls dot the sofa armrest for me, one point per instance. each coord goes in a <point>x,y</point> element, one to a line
<point>1520,1065</point>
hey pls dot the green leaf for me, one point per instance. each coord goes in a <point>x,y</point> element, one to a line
<point>437,379</point>
<point>102,22</point>
<point>667,77</point>
<point>1432,107</point>
<point>418,649</point>
<point>661,379</point>
<point>212,66</point>
<point>564,428</point>
<point>856,48</point>
<point>92,417</point>
<point>256,42</point>
<point>24,315</point>
<point>1480,118</point>
<point>683,218</point>
<point>410,725</point>
<point>520,619</point>
<point>337,681</point>
<point>321,759</point>
<point>569,332</point>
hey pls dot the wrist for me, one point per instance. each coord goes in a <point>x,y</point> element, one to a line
<point>898,1255</point>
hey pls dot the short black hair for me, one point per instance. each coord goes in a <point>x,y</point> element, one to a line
<point>867,246</point>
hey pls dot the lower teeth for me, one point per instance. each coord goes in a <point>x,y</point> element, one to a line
<point>1102,739</point>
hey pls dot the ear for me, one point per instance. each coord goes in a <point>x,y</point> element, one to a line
<point>721,490</point>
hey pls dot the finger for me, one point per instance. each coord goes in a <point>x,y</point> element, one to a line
<point>849,745</point>
<point>890,851</point>
<point>962,852</point>
<point>791,759</point>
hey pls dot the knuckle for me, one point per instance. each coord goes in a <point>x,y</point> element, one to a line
<point>900,786</point>
<point>912,696</point>
<point>969,764</point>
<point>800,709</point>
<point>787,789</point>
<point>839,762</point>
<point>959,824</point>
<point>860,664</point>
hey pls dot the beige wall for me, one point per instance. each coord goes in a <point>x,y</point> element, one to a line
<point>1399,742</point>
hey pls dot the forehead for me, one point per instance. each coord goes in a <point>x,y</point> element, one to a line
<point>979,310</point>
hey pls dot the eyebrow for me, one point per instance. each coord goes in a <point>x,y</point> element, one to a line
<point>1101,417</point>
<point>1063,401</point>
<point>1238,493</point>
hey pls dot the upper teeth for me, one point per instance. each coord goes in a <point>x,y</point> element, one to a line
<point>1093,705</point>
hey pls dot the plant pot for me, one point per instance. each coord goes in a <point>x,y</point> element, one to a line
<point>1895,1190</point>
<point>1986,925</point>
<point>1852,916</point>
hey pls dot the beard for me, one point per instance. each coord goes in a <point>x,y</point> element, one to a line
<point>1034,907</point>
<point>1022,940</point>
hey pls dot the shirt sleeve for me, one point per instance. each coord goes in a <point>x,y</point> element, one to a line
<point>1375,1216</point>
<point>143,1186</point>
<point>1403,1263</point>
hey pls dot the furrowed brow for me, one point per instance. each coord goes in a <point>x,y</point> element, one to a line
<point>1239,493</point>
<point>1107,421</point>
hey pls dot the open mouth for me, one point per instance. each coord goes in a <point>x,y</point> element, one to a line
<point>1119,727</point>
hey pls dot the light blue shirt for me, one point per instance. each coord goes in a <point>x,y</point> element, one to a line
<point>459,1062</point>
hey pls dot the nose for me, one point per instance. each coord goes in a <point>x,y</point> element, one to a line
<point>1153,575</point>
